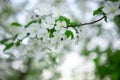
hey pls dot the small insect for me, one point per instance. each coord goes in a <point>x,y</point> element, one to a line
<point>36,15</point>
<point>61,39</point>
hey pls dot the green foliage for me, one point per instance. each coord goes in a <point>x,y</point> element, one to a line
<point>16,24</point>
<point>117,20</point>
<point>73,24</point>
<point>113,0</point>
<point>18,43</point>
<point>105,18</point>
<point>110,68</point>
<point>69,33</point>
<point>51,31</point>
<point>98,11</point>
<point>31,22</point>
<point>9,42</point>
<point>96,61</point>
<point>76,30</point>
<point>4,41</point>
<point>39,21</point>
<point>8,46</point>
<point>63,18</point>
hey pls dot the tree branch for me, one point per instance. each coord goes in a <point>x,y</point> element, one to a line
<point>91,22</point>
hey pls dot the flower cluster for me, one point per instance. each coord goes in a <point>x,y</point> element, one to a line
<point>48,26</point>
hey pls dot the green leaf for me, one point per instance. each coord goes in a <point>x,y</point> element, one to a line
<point>114,0</point>
<point>8,46</point>
<point>117,20</point>
<point>76,30</point>
<point>31,22</point>
<point>18,43</point>
<point>39,21</point>
<point>105,18</point>
<point>63,18</point>
<point>4,41</point>
<point>73,23</point>
<point>16,24</point>
<point>98,11</point>
<point>69,33</point>
<point>51,31</point>
<point>96,61</point>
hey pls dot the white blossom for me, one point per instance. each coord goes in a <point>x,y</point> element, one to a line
<point>56,12</point>
<point>61,26</point>
<point>32,16</point>
<point>58,37</point>
<point>112,8</point>
<point>40,32</point>
<point>48,23</point>
<point>33,30</point>
<point>43,10</point>
<point>43,32</point>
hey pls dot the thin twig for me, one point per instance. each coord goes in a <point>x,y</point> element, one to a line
<point>90,22</point>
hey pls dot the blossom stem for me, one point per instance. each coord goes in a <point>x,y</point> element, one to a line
<point>82,24</point>
<point>91,22</point>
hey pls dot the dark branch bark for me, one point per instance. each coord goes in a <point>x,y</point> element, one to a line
<point>91,22</point>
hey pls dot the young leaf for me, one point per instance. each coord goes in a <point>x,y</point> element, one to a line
<point>16,24</point>
<point>63,18</point>
<point>76,30</point>
<point>18,43</point>
<point>31,22</point>
<point>98,11</point>
<point>4,41</point>
<point>69,33</point>
<point>105,18</point>
<point>51,31</point>
<point>96,61</point>
<point>73,23</point>
<point>8,46</point>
